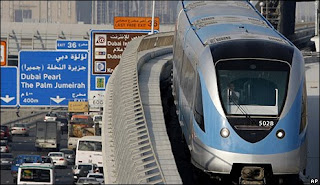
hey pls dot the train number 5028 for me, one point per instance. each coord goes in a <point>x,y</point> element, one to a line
<point>266,123</point>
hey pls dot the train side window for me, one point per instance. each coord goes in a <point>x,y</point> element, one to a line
<point>188,79</point>
<point>198,106</point>
<point>178,50</point>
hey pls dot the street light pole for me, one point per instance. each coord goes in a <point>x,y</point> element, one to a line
<point>261,7</point>
<point>317,17</point>
<point>152,23</point>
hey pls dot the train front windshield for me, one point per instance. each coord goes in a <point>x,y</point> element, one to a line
<point>252,87</point>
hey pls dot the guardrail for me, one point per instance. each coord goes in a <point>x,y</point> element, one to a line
<point>302,25</point>
<point>129,157</point>
<point>27,115</point>
<point>26,119</point>
<point>302,36</point>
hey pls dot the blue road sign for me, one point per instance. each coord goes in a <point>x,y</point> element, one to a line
<point>105,52</point>
<point>9,85</point>
<point>72,45</point>
<point>53,78</point>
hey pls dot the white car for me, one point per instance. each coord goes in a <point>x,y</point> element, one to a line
<point>20,129</point>
<point>51,117</point>
<point>58,159</point>
<point>5,146</point>
<point>99,177</point>
<point>87,180</point>
<point>68,154</point>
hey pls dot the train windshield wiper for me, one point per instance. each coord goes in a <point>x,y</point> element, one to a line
<point>242,110</point>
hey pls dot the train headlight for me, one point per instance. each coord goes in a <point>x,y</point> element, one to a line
<point>224,132</point>
<point>280,134</point>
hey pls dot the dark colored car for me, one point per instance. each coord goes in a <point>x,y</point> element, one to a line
<point>82,170</point>
<point>20,159</point>
<point>6,133</point>
<point>63,124</point>
<point>6,160</point>
<point>62,114</point>
<point>2,134</point>
<point>46,159</point>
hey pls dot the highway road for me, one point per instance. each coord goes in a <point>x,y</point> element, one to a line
<point>25,145</point>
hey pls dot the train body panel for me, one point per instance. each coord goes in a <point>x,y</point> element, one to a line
<point>228,18</point>
<point>219,161</point>
<point>221,47</point>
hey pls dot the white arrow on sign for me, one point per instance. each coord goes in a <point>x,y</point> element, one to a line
<point>7,99</point>
<point>57,99</point>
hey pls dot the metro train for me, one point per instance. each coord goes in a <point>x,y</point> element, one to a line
<point>240,92</point>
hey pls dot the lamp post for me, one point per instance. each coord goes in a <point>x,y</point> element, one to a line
<point>261,7</point>
<point>317,17</point>
<point>152,22</point>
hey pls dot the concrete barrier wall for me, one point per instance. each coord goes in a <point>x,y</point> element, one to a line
<point>26,115</point>
<point>129,157</point>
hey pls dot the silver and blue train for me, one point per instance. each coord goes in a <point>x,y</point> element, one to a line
<point>240,91</point>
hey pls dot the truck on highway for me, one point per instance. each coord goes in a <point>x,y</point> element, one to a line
<point>21,159</point>
<point>47,135</point>
<point>89,150</point>
<point>97,119</point>
<point>36,173</point>
<point>79,126</point>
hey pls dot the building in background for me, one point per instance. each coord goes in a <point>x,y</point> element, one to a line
<point>305,12</point>
<point>84,12</point>
<point>105,11</point>
<point>39,11</point>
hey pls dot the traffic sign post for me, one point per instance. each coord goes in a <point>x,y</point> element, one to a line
<point>72,45</point>
<point>105,51</point>
<point>52,78</point>
<point>9,85</point>
<point>3,53</point>
<point>96,100</point>
<point>140,23</point>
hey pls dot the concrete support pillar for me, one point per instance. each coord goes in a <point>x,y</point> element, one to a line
<point>287,17</point>
<point>316,39</point>
<point>317,17</point>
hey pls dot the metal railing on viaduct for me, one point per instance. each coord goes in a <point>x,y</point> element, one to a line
<point>129,157</point>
